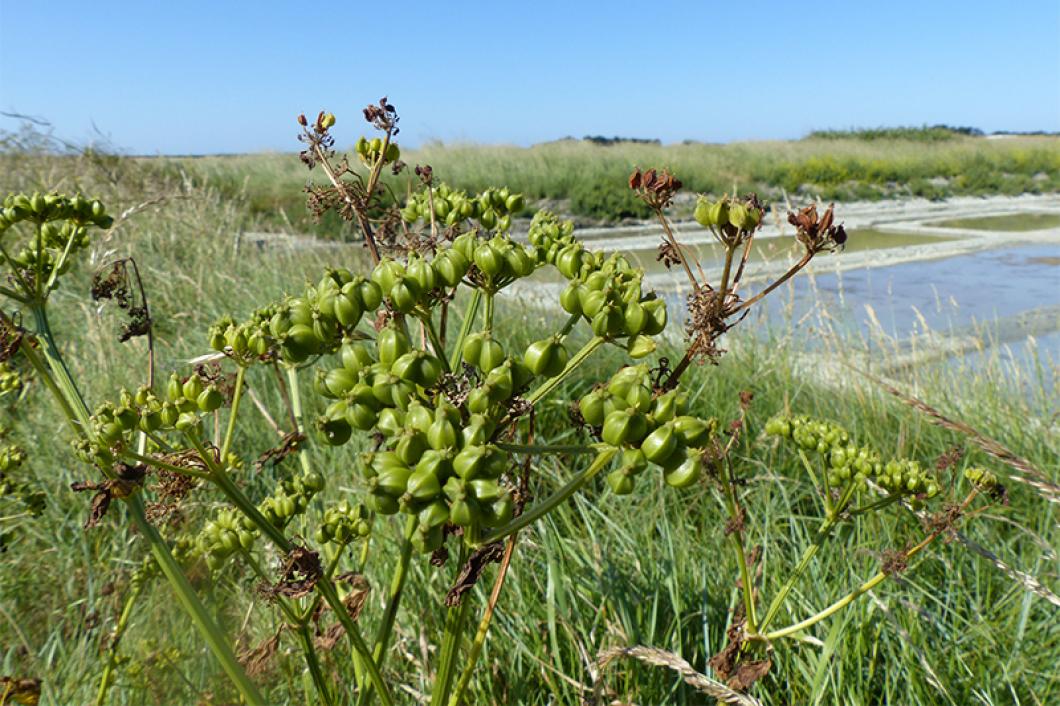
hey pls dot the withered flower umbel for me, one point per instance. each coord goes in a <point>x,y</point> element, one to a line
<point>657,189</point>
<point>818,233</point>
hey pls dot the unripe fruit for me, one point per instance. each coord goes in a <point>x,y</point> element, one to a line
<point>620,482</point>
<point>686,473</point>
<point>391,344</point>
<point>703,213</point>
<point>660,445</point>
<point>624,427</point>
<point>210,399</point>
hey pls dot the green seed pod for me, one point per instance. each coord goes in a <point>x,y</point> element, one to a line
<point>719,213</point>
<point>442,434</point>
<point>591,407</point>
<point>168,414</point>
<point>569,261</point>
<point>150,422</point>
<point>656,309</point>
<point>300,342</point>
<point>192,388</point>
<point>592,301</point>
<point>465,244</point>
<point>634,461</point>
<point>500,383</point>
<point>624,427</point>
<point>391,421</point>
<point>692,431</point>
<point>437,462</point>
<point>480,399</point>
<point>210,399</point>
<point>546,357</point>
<point>334,431</point>
<point>405,294</point>
<point>738,215</point>
<point>421,271</point>
<point>361,416</point>
<point>423,486</point>
<point>387,273</point>
<point>470,461</point>
<point>703,213</point>
<point>488,259</point>
<point>355,356</point>
<point>636,318</point>
<point>393,480</point>
<point>499,512</point>
<point>639,397</point>
<point>570,298</point>
<point>410,446</point>
<point>518,262</point>
<point>450,267</point>
<point>187,422</point>
<point>338,382</point>
<point>666,407</point>
<point>687,473</point>
<point>347,306</point>
<point>608,322</point>
<point>382,503</point>
<point>660,445</point>
<point>620,482</point>
<point>419,417</point>
<point>371,294</point>
<point>391,344</point>
<point>435,514</point>
<point>640,346</point>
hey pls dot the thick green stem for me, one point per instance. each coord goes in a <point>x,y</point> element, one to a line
<point>313,662</point>
<point>296,412</point>
<point>487,315</point>
<point>551,502</point>
<point>577,359</point>
<point>397,586</point>
<point>237,395</point>
<point>465,328</point>
<point>455,620</point>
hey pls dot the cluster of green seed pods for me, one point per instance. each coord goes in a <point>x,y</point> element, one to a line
<point>650,429</point>
<point>982,479</point>
<point>62,225</point>
<point>300,327</point>
<point>728,215</point>
<point>369,151</point>
<point>606,291</point>
<point>492,209</point>
<point>291,498</point>
<point>344,523</point>
<point>13,486</point>
<point>226,534</point>
<point>848,463</point>
<point>184,403</point>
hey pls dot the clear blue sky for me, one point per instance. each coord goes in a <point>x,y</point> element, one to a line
<point>183,76</point>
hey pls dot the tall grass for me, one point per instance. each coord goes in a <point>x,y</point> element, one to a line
<point>603,571</point>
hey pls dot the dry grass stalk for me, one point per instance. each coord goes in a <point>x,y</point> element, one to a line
<point>661,658</point>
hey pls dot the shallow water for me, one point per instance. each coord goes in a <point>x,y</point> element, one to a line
<point>1014,222</point>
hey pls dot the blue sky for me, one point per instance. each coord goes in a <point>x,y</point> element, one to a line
<point>229,76</point>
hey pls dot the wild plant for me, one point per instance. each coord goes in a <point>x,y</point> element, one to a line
<point>411,359</point>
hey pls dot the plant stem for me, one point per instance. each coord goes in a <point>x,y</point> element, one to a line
<point>863,588</point>
<point>488,314</point>
<point>157,463</point>
<point>107,677</point>
<point>830,521</point>
<point>313,663</point>
<point>397,585</point>
<point>548,504</point>
<point>783,278</point>
<point>484,624</point>
<point>455,619</point>
<point>465,328</point>
<point>237,395</point>
<point>736,538</point>
<point>436,343</point>
<point>577,359</point>
<point>296,415</point>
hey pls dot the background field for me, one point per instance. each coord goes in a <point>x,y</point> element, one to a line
<point>953,629</point>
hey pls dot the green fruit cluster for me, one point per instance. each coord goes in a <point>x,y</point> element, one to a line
<point>728,215</point>
<point>343,524</point>
<point>606,291</point>
<point>225,535</point>
<point>371,151</point>
<point>848,463</point>
<point>650,428</point>
<point>61,229</point>
<point>291,497</point>
<point>498,261</point>
<point>299,327</point>
<point>982,479</point>
<point>492,209</point>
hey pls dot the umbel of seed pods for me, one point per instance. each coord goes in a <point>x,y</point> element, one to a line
<point>493,208</point>
<point>848,463</point>
<point>63,223</point>
<point>437,461</point>
<point>10,379</point>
